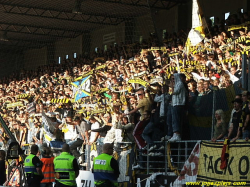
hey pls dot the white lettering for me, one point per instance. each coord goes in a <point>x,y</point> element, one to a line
<point>100,162</point>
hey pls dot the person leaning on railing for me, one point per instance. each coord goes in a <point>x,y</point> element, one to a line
<point>220,128</point>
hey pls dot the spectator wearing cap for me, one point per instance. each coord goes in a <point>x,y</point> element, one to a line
<point>239,96</point>
<point>245,115</point>
<point>235,127</point>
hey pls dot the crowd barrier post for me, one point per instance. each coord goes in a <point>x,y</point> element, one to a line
<point>248,88</point>
<point>244,71</point>
<point>215,88</point>
<point>166,157</point>
<point>147,160</point>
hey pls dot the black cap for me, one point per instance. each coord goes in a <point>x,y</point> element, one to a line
<point>237,101</point>
<point>245,93</point>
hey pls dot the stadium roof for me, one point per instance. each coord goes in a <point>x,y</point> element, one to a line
<point>36,23</point>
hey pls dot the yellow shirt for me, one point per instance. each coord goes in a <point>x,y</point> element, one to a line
<point>143,105</point>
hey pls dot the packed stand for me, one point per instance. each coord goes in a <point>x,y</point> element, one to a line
<point>137,94</point>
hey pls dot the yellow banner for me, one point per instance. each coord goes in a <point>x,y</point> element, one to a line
<point>84,75</point>
<point>100,67</point>
<point>102,90</point>
<point>238,166</point>
<point>159,48</point>
<point>98,111</point>
<point>12,105</point>
<point>138,81</point>
<point>59,100</point>
<point>237,27</point>
<point>23,96</point>
<point>173,54</point>
<point>243,25</point>
<point>155,48</point>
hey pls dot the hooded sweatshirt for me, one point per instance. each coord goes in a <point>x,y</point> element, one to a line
<point>179,94</point>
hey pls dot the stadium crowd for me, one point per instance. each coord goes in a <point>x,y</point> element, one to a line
<point>133,92</point>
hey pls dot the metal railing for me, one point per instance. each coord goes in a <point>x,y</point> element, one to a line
<point>172,159</point>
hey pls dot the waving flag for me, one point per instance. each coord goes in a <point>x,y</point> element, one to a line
<point>49,126</point>
<point>196,34</point>
<point>81,88</point>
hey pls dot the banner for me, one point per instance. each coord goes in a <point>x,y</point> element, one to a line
<point>100,67</point>
<point>85,179</point>
<point>59,100</point>
<point>196,34</point>
<point>173,54</point>
<point>190,168</point>
<point>235,27</point>
<point>237,169</point>
<point>17,176</point>
<point>48,126</point>
<point>84,75</point>
<point>12,105</point>
<point>81,88</point>
<point>116,89</point>
<point>102,90</point>
<point>138,81</point>
<point>88,105</point>
<point>24,96</point>
<point>158,48</point>
<point>98,111</point>
<point>156,80</point>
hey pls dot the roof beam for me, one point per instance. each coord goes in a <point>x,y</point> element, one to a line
<point>39,30</point>
<point>144,3</point>
<point>30,41</point>
<point>18,46</point>
<point>61,15</point>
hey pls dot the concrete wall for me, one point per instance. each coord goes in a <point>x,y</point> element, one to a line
<point>97,35</point>
<point>178,17</point>
<point>166,20</point>
<point>34,58</point>
<point>143,26</point>
<point>185,16</point>
<point>68,47</point>
<point>219,8</point>
<point>10,62</point>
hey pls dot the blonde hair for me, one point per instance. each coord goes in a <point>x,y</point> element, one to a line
<point>221,114</point>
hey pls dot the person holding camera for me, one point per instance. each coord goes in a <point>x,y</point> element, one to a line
<point>33,168</point>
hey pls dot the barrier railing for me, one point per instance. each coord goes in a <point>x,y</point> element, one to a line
<point>170,159</point>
